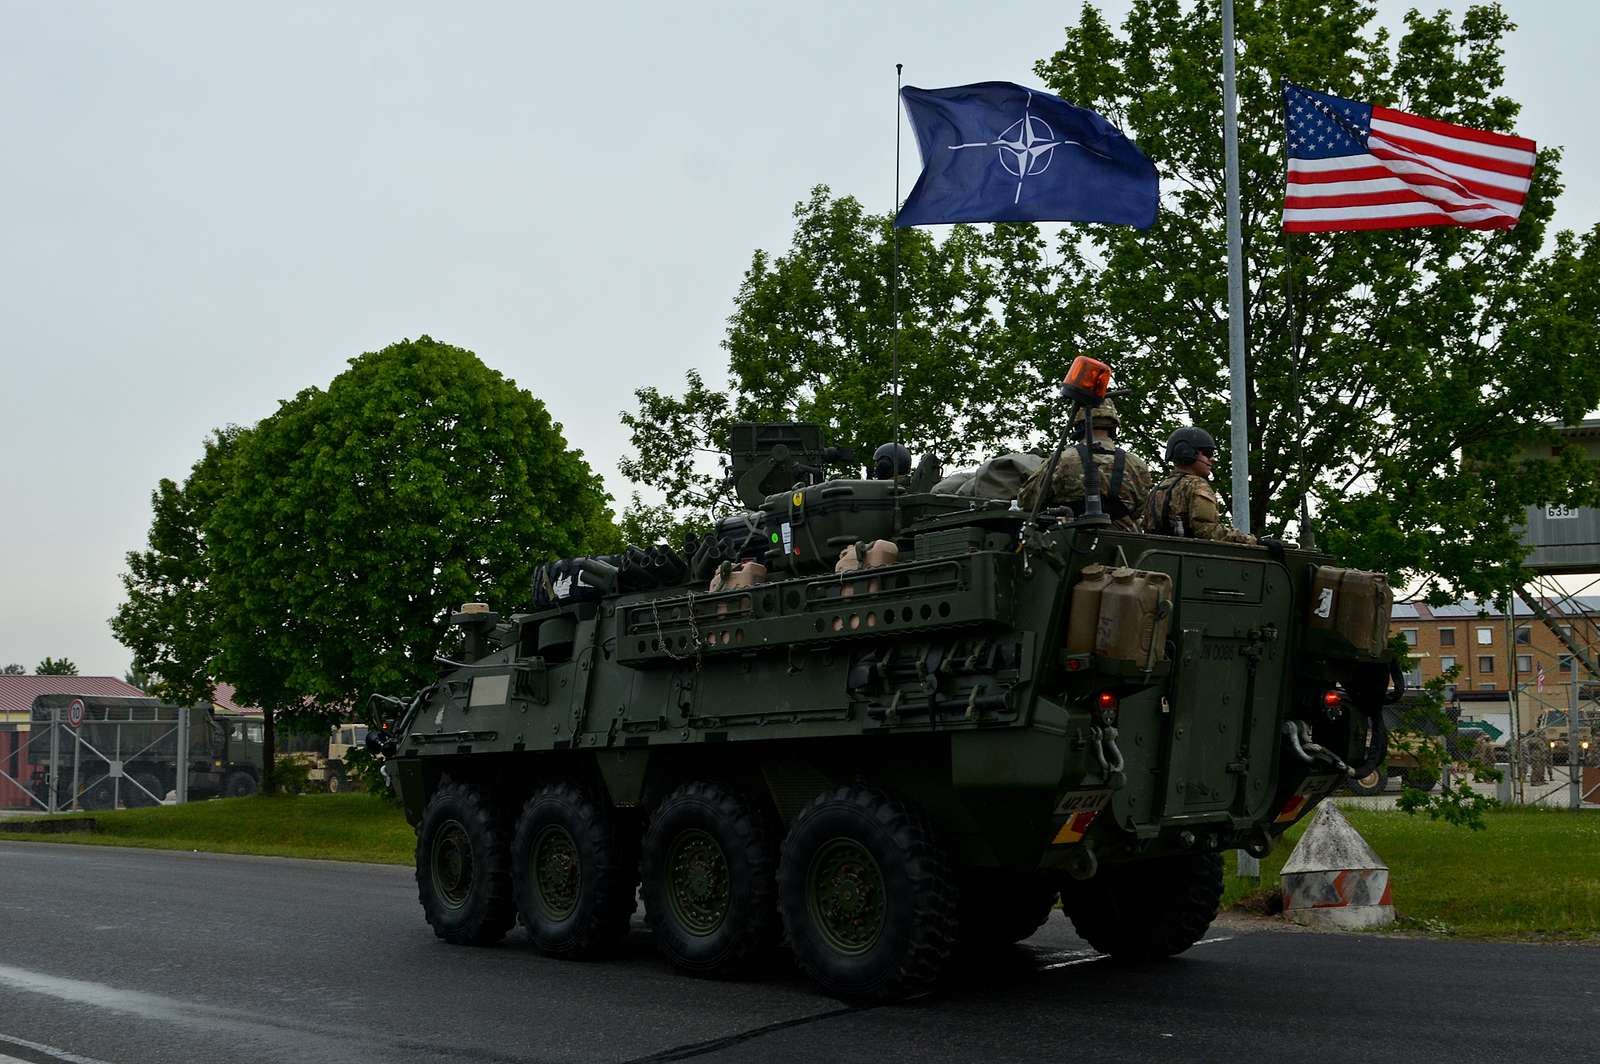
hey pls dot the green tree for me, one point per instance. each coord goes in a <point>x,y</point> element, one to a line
<point>13,670</point>
<point>315,558</point>
<point>169,615</point>
<point>56,667</point>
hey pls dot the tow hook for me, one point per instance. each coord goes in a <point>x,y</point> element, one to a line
<point>1298,732</point>
<point>1104,738</point>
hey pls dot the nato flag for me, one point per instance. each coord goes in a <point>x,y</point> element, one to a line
<point>997,152</point>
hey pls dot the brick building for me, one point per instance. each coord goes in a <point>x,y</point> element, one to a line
<point>1473,636</point>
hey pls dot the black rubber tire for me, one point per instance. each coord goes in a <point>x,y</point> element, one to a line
<point>1001,908</point>
<point>1421,780</point>
<point>460,813</point>
<point>337,781</point>
<point>1147,910</point>
<point>606,870</point>
<point>1375,783</point>
<point>914,887</point>
<point>239,784</point>
<point>733,846</point>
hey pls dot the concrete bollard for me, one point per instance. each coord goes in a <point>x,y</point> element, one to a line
<point>1333,879</point>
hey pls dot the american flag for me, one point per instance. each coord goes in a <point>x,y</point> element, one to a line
<point>1356,166</point>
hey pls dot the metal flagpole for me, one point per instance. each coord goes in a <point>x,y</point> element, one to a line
<point>1248,866</point>
<point>1240,444</point>
<point>894,281</point>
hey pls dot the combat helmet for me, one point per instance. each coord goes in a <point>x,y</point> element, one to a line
<point>890,461</point>
<point>1185,445</point>
<point>1105,417</point>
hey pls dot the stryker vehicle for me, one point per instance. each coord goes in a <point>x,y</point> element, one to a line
<point>882,725</point>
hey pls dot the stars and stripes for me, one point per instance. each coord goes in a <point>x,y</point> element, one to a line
<point>1356,166</point>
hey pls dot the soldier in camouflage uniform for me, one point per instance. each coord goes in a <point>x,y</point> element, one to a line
<point>1124,478</point>
<point>1184,504</point>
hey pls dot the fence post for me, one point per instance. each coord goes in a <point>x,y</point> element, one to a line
<point>55,756</point>
<point>1574,752</point>
<point>184,747</point>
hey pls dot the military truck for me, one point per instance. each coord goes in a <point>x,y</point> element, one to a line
<point>1416,748</point>
<point>883,724</point>
<point>323,754</point>
<point>110,751</point>
<point>1550,735</point>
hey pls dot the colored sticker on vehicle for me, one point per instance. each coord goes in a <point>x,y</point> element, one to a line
<point>1075,827</point>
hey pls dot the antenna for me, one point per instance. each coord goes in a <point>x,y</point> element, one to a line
<point>894,288</point>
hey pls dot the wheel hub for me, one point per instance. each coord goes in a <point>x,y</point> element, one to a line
<point>697,882</point>
<point>557,872</point>
<point>846,896</point>
<point>452,864</point>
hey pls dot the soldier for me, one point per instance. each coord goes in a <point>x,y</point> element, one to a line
<point>1184,504</point>
<point>1124,478</point>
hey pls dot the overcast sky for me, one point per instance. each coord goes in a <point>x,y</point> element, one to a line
<point>208,207</point>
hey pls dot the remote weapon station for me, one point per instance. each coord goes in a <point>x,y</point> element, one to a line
<point>883,724</point>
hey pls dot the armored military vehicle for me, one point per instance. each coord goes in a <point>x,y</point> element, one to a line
<point>883,724</point>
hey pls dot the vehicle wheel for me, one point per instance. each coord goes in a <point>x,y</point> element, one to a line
<point>1421,779</point>
<point>710,872</point>
<point>1001,908</point>
<point>573,872</point>
<point>1147,910</point>
<point>1374,782</point>
<point>867,896</point>
<point>337,782</point>
<point>463,873</point>
<point>134,798</point>
<point>239,785</point>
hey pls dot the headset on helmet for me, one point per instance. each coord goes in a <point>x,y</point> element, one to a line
<point>1185,445</point>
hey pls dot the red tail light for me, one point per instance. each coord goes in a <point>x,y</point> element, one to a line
<point>1105,705</point>
<point>1331,698</point>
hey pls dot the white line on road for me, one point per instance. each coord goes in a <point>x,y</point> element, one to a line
<point>40,1047</point>
<point>1089,956</point>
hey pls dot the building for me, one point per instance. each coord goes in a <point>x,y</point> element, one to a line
<point>16,706</point>
<point>1473,637</point>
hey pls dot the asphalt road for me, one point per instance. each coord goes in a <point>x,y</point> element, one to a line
<point>144,956</point>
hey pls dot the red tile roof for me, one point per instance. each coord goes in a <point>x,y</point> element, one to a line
<point>222,697</point>
<point>18,692</point>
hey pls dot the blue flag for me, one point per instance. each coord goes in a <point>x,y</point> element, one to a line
<point>997,152</point>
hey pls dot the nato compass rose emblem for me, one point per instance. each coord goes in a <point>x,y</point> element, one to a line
<point>1026,147</point>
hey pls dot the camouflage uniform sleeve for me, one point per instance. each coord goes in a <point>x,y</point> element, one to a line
<point>1204,520</point>
<point>1030,487</point>
<point>1136,491</point>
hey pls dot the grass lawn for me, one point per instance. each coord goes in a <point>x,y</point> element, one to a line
<point>1535,873</point>
<point>340,827</point>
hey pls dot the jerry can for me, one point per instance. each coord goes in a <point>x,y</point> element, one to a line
<point>1083,615</point>
<point>1353,605</point>
<point>1135,613</point>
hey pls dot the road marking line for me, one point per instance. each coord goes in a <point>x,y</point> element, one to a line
<point>1089,956</point>
<point>40,1047</point>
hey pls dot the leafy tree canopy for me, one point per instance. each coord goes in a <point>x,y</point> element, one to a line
<point>1424,356</point>
<point>56,667</point>
<point>12,669</point>
<point>315,557</point>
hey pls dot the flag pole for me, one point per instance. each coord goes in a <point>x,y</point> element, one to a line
<point>894,277</point>
<point>1240,443</point>
<point>1248,866</point>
